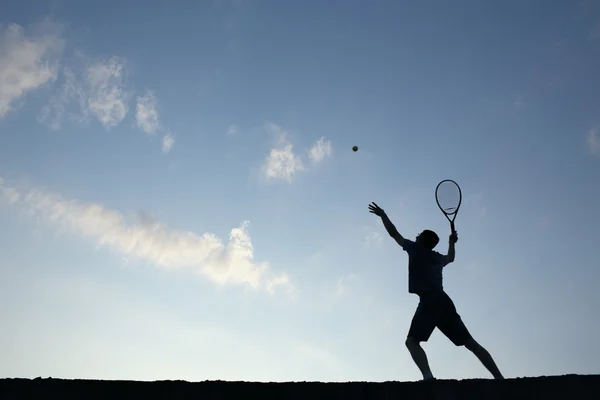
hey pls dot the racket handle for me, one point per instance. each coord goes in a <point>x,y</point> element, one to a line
<point>452,227</point>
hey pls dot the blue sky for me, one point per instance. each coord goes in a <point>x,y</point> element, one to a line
<point>180,200</point>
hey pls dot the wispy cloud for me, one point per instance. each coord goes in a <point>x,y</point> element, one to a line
<point>8,194</point>
<point>168,142</point>
<point>320,150</point>
<point>281,135</point>
<point>71,91</point>
<point>26,62</point>
<point>233,130</point>
<point>342,283</point>
<point>99,90</point>
<point>593,141</point>
<point>146,114</point>
<point>478,204</point>
<point>148,120</point>
<point>281,163</point>
<point>107,91</point>
<point>147,239</point>
<point>373,239</point>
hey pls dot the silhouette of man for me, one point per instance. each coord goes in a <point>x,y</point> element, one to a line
<point>436,308</point>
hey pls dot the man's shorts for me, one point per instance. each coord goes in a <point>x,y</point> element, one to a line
<point>436,309</point>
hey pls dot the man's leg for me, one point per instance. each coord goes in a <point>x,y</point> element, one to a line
<point>485,357</point>
<point>454,328</point>
<point>420,358</point>
<point>421,328</point>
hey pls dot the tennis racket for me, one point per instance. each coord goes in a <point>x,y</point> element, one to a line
<point>448,197</point>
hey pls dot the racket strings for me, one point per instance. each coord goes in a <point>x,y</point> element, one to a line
<point>448,197</point>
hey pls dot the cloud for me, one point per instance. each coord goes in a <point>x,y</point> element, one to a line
<point>147,119</point>
<point>593,141</point>
<point>168,142</point>
<point>146,114</point>
<point>146,239</point>
<point>320,150</point>
<point>232,130</point>
<point>281,163</point>
<point>373,239</point>
<point>280,134</point>
<point>342,283</point>
<point>53,113</point>
<point>98,90</point>
<point>26,62</point>
<point>477,204</point>
<point>282,280</point>
<point>107,93</point>
<point>9,195</point>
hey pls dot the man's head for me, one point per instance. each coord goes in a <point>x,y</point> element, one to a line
<point>428,239</point>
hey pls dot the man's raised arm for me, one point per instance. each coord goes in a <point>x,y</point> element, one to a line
<point>451,252</point>
<point>389,226</point>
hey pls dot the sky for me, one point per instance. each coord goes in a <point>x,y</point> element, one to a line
<point>179,197</point>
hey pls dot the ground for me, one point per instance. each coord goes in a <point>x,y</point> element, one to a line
<point>567,387</point>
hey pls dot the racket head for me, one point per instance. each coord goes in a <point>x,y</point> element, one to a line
<point>448,197</point>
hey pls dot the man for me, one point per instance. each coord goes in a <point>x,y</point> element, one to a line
<point>435,309</point>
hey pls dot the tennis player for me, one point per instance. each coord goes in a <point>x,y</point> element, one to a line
<point>436,308</point>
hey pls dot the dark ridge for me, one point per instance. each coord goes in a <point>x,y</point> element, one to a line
<point>567,387</point>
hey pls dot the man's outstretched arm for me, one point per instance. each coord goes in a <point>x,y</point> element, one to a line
<point>389,226</point>
<point>391,229</point>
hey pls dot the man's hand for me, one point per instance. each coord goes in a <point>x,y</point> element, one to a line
<point>453,237</point>
<point>389,227</point>
<point>375,209</point>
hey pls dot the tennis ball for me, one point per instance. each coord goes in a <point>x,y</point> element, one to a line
<point>355,148</point>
